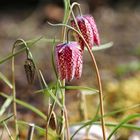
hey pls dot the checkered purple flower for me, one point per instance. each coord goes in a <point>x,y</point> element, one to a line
<point>88,29</point>
<point>69,60</point>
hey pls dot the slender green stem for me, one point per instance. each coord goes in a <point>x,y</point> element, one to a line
<point>8,131</point>
<point>14,91</point>
<point>51,108</point>
<point>49,116</point>
<point>19,51</point>
<point>100,92</point>
<point>75,4</point>
<point>98,80</point>
<point>67,123</point>
<point>63,104</point>
<point>18,43</point>
<point>66,18</point>
<point>64,110</point>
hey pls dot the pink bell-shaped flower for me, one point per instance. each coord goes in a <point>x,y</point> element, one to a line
<point>69,60</point>
<point>88,29</point>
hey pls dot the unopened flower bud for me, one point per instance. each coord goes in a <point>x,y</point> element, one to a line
<point>53,121</point>
<point>29,67</point>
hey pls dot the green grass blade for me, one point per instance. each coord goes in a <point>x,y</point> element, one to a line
<point>102,46</point>
<point>48,91</point>
<point>30,43</point>
<point>106,115</point>
<point>24,104</point>
<point>8,57</point>
<point>111,124</point>
<point>121,110</point>
<point>38,128</point>
<point>73,88</point>
<point>8,131</point>
<point>5,105</point>
<point>95,48</point>
<point>4,78</point>
<point>129,126</point>
<point>80,88</point>
<point>130,117</point>
<point>6,119</point>
<point>52,58</point>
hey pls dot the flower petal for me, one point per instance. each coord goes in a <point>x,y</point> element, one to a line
<point>60,61</point>
<point>94,29</point>
<point>86,30</point>
<point>79,65</point>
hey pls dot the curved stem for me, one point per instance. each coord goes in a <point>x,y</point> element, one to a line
<point>78,6</point>
<point>98,79</point>
<point>18,43</point>
<point>68,35</point>
<point>8,131</point>
<point>49,115</point>
<point>100,93</point>
<point>67,123</point>
<point>97,74</point>
<point>64,117</point>
<point>63,104</point>
<point>14,91</point>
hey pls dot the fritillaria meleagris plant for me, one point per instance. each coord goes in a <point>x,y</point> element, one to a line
<point>69,55</point>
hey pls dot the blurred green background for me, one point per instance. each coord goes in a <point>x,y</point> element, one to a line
<point>117,21</point>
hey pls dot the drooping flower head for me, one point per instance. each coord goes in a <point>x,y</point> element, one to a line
<point>88,29</point>
<point>69,60</point>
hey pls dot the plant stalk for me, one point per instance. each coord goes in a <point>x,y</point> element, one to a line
<point>97,75</point>
<point>64,110</point>
<point>8,131</point>
<point>14,93</point>
<point>100,93</point>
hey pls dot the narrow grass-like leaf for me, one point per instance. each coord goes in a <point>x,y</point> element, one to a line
<point>4,78</point>
<point>24,104</point>
<point>6,119</point>
<point>98,117</point>
<point>128,126</point>
<point>30,43</point>
<point>130,117</point>
<point>27,124</point>
<point>5,105</point>
<point>52,56</point>
<point>40,129</point>
<point>48,91</point>
<point>8,57</point>
<point>82,88</point>
<point>111,124</point>
<point>121,110</point>
<point>103,46</point>
<point>8,131</point>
